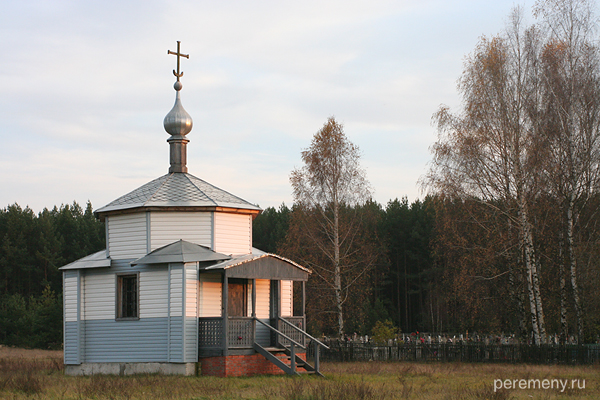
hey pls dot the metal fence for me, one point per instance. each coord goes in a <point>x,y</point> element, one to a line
<point>341,351</point>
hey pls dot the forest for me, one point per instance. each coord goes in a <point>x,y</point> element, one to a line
<point>436,268</point>
<point>32,248</point>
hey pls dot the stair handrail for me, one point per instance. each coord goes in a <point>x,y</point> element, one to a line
<point>280,333</point>
<point>304,333</point>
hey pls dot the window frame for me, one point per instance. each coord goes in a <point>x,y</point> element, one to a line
<point>119,296</point>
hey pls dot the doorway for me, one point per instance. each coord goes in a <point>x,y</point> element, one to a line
<point>238,297</point>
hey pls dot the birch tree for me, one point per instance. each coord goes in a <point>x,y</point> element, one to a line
<point>487,151</point>
<point>327,191</point>
<point>571,92</point>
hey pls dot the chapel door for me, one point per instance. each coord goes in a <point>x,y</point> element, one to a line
<point>238,297</point>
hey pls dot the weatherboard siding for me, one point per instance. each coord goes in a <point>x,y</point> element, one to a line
<point>144,340</point>
<point>70,295</point>
<point>127,236</point>
<point>169,227</point>
<point>286,299</point>
<point>263,290</point>
<point>190,321</point>
<point>175,339</point>
<point>209,300</point>
<point>190,340</point>
<point>98,291</point>
<point>191,290</point>
<point>233,233</point>
<point>154,292</point>
<point>71,345</point>
<point>176,290</point>
<point>72,334</point>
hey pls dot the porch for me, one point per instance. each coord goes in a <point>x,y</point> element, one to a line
<point>255,298</point>
<point>260,323</point>
<point>286,351</point>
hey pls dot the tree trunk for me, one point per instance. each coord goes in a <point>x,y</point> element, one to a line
<point>564,328</point>
<point>538,298</point>
<point>531,273</point>
<point>573,269</point>
<point>337,279</point>
<point>406,307</point>
<point>515,279</point>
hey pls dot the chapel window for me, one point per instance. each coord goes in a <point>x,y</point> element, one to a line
<point>127,296</point>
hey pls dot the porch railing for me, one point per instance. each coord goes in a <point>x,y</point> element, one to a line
<point>316,344</point>
<point>241,332</point>
<point>291,327</point>
<point>210,332</point>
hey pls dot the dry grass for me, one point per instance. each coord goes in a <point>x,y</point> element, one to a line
<point>39,375</point>
<point>14,352</point>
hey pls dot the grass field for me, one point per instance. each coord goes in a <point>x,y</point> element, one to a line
<point>36,374</point>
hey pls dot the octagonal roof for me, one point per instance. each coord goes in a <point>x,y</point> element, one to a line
<point>177,189</point>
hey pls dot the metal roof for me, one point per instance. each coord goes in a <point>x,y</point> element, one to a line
<point>180,251</point>
<point>96,260</point>
<point>178,189</point>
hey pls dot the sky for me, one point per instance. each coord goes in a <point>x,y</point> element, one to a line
<point>85,85</point>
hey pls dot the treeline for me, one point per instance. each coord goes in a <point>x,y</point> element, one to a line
<point>396,286</point>
<point>444,266</point>
<point>32,248</point>
<point>484,282</point>
<point>439,265</point>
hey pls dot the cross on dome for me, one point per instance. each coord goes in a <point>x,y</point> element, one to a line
<point>178,54</point>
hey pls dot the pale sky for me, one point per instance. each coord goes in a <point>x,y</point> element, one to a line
<point>84,88</point>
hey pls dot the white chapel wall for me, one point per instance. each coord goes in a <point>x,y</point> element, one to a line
<point>176,301</point>
<point>127,236</point>
<point>263,291</point>
<point>154,292</point>
<point>209,299</point>
<point>233,233</point>
<point>70,295</point>
<point>168,227</point>
<point>98,295</point>
<point>286,299</point>
<point>191,290</point>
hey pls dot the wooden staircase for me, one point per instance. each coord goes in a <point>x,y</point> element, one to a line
<point>294,361</point>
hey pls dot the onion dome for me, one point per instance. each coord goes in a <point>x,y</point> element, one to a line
<point>178,121</point>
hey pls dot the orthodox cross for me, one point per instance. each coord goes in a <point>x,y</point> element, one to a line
<point>178,54</point>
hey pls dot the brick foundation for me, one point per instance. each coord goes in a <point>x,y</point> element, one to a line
<point>248,365</point>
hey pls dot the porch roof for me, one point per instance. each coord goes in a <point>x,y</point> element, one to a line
<point>180,251</point>
<point>96,260</point>
<point>261,265</point>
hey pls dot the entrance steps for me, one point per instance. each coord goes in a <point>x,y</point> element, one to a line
<point>289,364</point>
